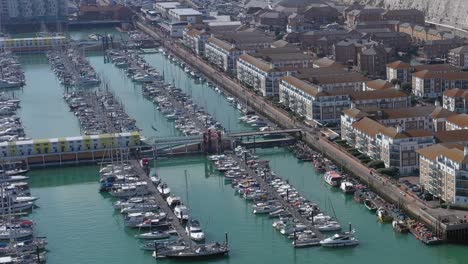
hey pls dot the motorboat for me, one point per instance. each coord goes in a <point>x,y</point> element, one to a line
<point>370,205</point>
<point>328,226</point>
<point>347,187</point>
<point>154,235</point>
<point>173,201</point>
<point>305,239</point>
<point>194,231</point>
<point>15,233</point>
<point>400,226</point>
<point>383,215</point>
<point>333,178</point>
<point>204,251</point>
<point>346,239</point>
<point>181,212</point>
<point>163,189</point>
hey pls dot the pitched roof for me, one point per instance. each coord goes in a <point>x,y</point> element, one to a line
<point>411,112</point>
<point>355,113</point>
<point>456,92</point>
<point>393,133</point>
<point>440,112</point>
<point>462,49</point>
<point>326,62</point>
<point>460,120</point>
<point>377,94</point>
<point>452,136</point>
<point>436,67</point>
<point>452,151</point>
<point>398,65</point>
<point>302,85</point>
<point>379,85</point>
<point>368,126</point>
<point>426,74</point>
<point>222,44</point>
<point>262,65</point>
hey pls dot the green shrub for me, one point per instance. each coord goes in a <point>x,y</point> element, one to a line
<point>392,171</point>
<point>376,164</point>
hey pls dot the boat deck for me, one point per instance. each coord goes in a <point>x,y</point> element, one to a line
<point>272,193</point>
<point>162,203</point>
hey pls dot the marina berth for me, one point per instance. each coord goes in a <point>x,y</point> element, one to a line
<point>11,128</point>
<point>72,68</point>
<point>160,218</point>
<point>11,74</point>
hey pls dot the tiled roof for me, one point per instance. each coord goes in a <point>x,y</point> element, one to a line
<point>426,74</point>
<point>262,65</point>
<point>355,113</point>
<point>436,67</point>
<point>452,136</point>
<point>460,120</point>
<point>393,133</point>
<point>222,44</point>
<point>398,65</point>
<point>377,94</point>
<point>452,151</point>
<point>368,126</point>
<point>379,85</point>
<point>302,85</point>
<point>440,112</point>
<point>462,49</point>
<point>456,92</point>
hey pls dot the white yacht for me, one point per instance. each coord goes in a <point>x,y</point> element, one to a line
<point>347,187</point>
<point>194,230</point>
<point>163,189</point>
<point>173,201</point>
<point>340,240</point>
<point>181,212</point>
<point>328,226</point>
<point>154,235</point>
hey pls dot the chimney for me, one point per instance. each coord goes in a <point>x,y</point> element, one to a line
<point>399,129</point>
<point>437,103</point>
<point>319,89</point>
<point>397,86</point>
<point>352,105</point>
<point>465,151</point>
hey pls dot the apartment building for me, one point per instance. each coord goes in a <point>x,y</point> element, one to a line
<point>431,84</point>
<point>188,15</point>
<point>262,70</point>
<point>195,40</point>
<point>224,49</point>
<point>400,71</point>
<point>332,78</point>
<point>375,85</point>
<point>457,122</point>
<point>395,146</point>
<point>372,60</point>
<point>444,172</point>
<point>456,100</point>
<point>380,99</point>
<point>311,101</point>
<point>32,11</point>
<point>409,118</point>
<point>222,54</point>
<point>316,103</point>
<point>459,57</point>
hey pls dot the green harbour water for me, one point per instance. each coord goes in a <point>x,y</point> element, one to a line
<point>82,227</point>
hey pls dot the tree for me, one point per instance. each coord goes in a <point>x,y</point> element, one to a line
<point>407,87</point>
<point>395,81</point>
<point>376,164</point>
<point>391,171</point>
